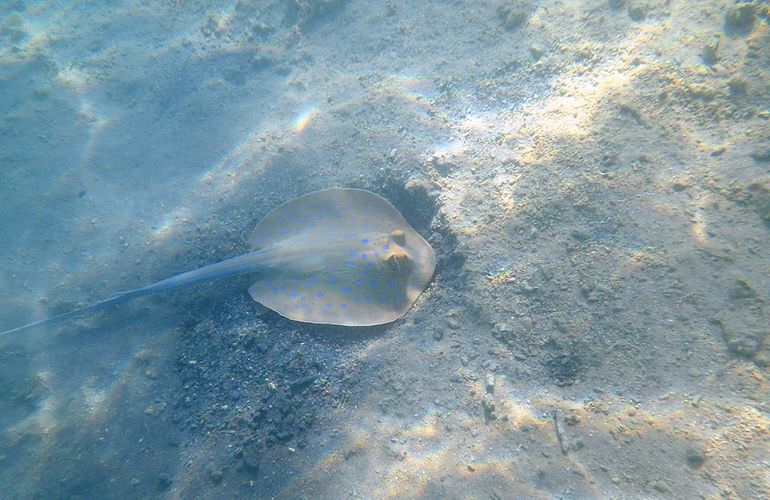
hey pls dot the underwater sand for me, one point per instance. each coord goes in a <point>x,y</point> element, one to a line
<point>594,177</point>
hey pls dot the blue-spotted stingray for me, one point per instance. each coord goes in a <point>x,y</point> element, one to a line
<point>338,257</point>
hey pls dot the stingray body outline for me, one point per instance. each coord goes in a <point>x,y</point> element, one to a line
<point>339,256</point>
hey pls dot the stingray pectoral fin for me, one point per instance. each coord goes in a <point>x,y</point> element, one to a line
<point>341,257</point>
<point>259,307</point>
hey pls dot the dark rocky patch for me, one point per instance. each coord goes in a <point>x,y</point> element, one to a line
<point>513,14</point>
<point>564,368</point>
<point>264,382</point>
<point>307,13</point>
<point>739,20</point>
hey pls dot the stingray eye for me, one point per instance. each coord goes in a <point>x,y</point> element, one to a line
<point>399,236</point>
<point>397,261</point>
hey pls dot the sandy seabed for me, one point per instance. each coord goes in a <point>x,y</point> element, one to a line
<point>594,176</point>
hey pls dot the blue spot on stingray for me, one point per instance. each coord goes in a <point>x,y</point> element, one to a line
<point>376,254</point>
<point>302,298</point>
<point>331,281</point>
<point>344,306</point>
<point>363,255</point>
<point>319,294</point>
<point>293,294</point>
<point>364,241</point>
<point>345,289</point>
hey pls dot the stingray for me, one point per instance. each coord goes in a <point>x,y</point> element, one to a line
<point>338,256</point>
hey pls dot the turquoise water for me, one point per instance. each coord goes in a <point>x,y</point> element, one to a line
<point>594,179</point>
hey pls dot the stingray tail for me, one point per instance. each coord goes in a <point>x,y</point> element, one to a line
<point>115,299</point>
<point>229,267</point>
